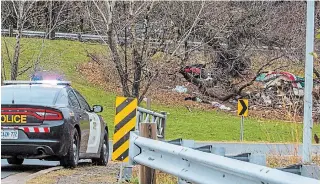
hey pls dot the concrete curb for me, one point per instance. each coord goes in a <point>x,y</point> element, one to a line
<point>16,178</point>
<point>39,173</point>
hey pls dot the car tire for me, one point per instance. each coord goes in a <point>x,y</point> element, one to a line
<point>72,158</point>
<point>104,153</point>
<point>15,161</point>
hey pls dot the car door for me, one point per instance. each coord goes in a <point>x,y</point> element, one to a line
<point>80,116</point>
<point>93,130</point>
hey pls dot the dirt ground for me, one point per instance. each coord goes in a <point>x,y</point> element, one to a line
<point>88,173</point>
<point>83,174</point>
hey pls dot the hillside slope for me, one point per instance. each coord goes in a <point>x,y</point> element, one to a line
<point>203,125</point>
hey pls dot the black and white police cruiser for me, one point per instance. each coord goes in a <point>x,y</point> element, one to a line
<point>52,121</point>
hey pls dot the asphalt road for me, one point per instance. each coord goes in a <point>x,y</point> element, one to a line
<point>29,165</point>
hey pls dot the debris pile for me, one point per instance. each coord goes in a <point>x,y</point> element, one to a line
<point>284,90</point>
<point>276,90</point>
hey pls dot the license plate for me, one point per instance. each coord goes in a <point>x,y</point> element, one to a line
<point>9,134</point>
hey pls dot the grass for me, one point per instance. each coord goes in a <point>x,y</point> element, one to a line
<point>218,126</point>
<point>209,125</point>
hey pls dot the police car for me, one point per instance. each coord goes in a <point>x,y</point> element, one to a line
<point>52,121</point>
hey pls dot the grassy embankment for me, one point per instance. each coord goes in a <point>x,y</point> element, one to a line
<point>200,125</point>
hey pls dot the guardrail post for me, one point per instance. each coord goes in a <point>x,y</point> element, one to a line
<point>163,123</point>
<point>10,31</point>
<point>147,175</point>
<point>138,120</point>
<point>219,151</point>
<point>311,171</point>
<point>127,172</point>
<point>188,143</point>
<point>149,103</point>
<point>52,35</point>
<point>80,37</point>
<point>260,159</point>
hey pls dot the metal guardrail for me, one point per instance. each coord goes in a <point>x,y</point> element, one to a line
<point>92,37</point>
<point>148,116</point>
<point>255,158</point>
<point>205,168</point>
<point>281,149</point>
<point>52,82</point>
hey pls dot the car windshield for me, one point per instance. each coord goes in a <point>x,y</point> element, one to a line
<point>29,94</point>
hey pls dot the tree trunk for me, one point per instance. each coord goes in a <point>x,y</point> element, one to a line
<point>15,61</point>
<point>116,59</point>
<point>3,73</point>
<point>52,19</point>
<point>137,59</point>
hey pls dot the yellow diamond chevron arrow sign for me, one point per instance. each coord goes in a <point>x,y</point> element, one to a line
<point>243,107</point>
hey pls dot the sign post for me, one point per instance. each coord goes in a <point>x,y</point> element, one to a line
<point>243,110</point>
<point>307,113</point>
<point>241,128</point>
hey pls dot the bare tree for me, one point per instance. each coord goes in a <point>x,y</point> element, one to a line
<point>22,12</point>
<point>21,9</point>
<point>133,20</point>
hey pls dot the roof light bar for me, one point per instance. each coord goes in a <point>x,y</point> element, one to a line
<point>52,82</point>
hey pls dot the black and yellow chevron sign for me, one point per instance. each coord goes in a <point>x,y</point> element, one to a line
<point>243,107</point>
<point>124,122</point>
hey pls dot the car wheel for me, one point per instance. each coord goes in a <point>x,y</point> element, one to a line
<point>104,153</point>
<point>15,161</point>
<point>72,158</point>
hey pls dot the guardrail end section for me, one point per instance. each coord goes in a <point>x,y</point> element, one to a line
<point>134,150</point>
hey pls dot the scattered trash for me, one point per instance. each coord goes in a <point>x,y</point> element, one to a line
<point>208,78</point>
<point>220,106</point>
<point>233,101</point>
<point>180,89</point>
<point>266,99</point>
<point>189,109</point>
<point>298,92</point>
<point>198,71</point>
<point>196,99</point>
<point>273,78</point>
<point>214,104</point>
<point>261,77</point>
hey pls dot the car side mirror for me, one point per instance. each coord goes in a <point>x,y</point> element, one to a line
<point>97,108</point>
